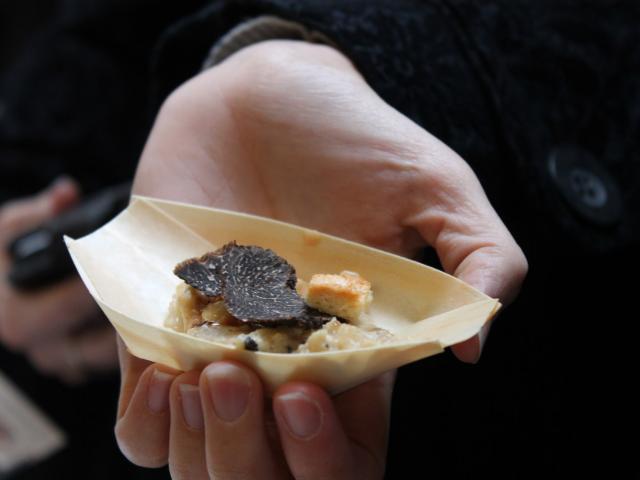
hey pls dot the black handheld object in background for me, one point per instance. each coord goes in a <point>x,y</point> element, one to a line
<point>39,256</point>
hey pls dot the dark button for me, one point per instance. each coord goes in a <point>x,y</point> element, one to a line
<point>586,186</point>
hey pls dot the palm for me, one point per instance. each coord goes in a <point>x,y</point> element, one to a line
<point>320,167</point>
<point>315,155</point>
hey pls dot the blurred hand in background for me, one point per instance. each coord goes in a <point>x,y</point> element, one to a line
<point>58,328</point>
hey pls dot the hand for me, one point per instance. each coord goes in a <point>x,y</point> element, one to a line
<point>291,131</point>
<point>43,324</point>
<point>217,424</point>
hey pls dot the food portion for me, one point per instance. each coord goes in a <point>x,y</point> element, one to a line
<point>250,298</point>
<point>346,295</point>
<point>342,336</point>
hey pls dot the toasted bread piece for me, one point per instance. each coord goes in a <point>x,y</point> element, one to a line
<point>346,295</point>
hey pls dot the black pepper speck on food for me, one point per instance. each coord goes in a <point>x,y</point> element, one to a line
<point>250,344</point>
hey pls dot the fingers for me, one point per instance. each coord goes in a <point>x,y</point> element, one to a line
<point>187,442</point>
<point>26,318</point>
<point>237,444</point>
<point>142,431</point>
<point>72,358</point>
<point>497,271</point>
<point>313,440</point>
<point>343,439</point>
<point>142,428</point>
<point>97,348</point>
<point>213,425</point>
<point>20,215</point>
<point>207,427</point>
<point>131,369</point>
<point>471,241</point>
<point>29,317</point>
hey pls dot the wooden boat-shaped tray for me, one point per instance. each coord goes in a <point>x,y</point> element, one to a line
<point>127,265</point>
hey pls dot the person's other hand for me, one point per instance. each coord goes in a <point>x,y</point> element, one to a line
<point>44,324</point>
<point>291,131</point>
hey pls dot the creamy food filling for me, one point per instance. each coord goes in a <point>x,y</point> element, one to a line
<point>345,296</point>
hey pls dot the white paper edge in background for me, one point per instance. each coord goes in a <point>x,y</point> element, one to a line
<point>31,435</point>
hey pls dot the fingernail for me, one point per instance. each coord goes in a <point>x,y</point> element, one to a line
<point>301,414</point>
<point>158,394</point>
<point>191,406</point>
<point>229,387</point>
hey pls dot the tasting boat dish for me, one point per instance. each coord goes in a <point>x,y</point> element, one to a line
<point>127,266</point>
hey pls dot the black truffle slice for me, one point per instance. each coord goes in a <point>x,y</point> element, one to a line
<point>203,273</point>
<point>259,287</point>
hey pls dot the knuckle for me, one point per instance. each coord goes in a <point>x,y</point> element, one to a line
<point>267,57</point>
<point>192,102</point>
<point>138,451</point>
<point>278,55</point>
<point>175,100</point>
<point>276,67</point>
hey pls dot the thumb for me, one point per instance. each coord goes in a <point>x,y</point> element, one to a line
<point>472,243</point>
<point>498,271</point>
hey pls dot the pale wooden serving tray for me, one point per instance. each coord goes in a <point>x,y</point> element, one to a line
<point>127,265</point>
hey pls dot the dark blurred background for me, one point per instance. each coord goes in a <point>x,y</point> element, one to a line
<point>37,47</point>
<point>19,23</point>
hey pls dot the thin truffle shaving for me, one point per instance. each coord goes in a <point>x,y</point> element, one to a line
<point>259,286</point>
<point>256,285</point>
<point>203,273</point>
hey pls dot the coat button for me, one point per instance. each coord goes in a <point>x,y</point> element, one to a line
<point>585,185</point>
